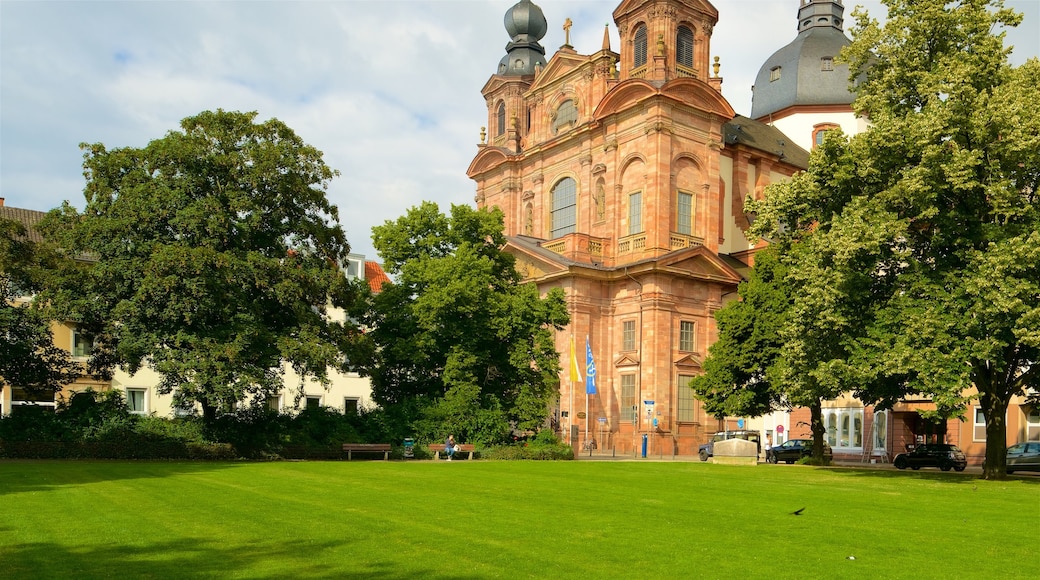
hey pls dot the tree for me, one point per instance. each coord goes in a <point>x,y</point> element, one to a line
<point>216,253</point>
<point>29,359</point>
<point>925,226</point>
<point>459,337</point>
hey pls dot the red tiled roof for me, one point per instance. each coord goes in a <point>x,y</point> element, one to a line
<point>375,276</point>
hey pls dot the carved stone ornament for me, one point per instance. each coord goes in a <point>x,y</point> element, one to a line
<point>479,198</point>
<point>657,127</point>
<point>599,168</point>
<point>610,145</point>
<point>585,159</point>
<point>537,179</point>
<point>528,195</point>
<point>707,28</point>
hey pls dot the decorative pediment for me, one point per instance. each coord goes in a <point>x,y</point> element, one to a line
<point>487,158</point>
<point>559,66</point>
<point>624,95</point>
<point>690,361</point>
<point>700,262</point>
<point>626,361</point>
<point>531,264</point>
<point>698,94</point>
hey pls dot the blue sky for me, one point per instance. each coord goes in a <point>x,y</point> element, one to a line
<point>388,90</point>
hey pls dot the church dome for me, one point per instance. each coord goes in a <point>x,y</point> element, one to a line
<point>526,25</point>
<point>804,71</point>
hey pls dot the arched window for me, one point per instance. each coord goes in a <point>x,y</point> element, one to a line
<point>564,208</point>
<point>820,131</point>
<point>684,47</point>
<point>639,47</point>
<point>501,119</point>
<point>566,116</point>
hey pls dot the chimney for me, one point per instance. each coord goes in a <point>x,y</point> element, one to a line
<point>1,202</point>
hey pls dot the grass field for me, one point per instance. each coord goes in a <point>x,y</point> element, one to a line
<point>488,519</point>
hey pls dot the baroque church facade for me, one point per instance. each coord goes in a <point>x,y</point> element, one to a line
<point>622,176</point>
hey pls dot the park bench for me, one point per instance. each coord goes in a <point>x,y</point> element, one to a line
<point>352,448</point>
<point>437,449</point>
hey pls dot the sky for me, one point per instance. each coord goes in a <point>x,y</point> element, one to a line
<point>388,90</point>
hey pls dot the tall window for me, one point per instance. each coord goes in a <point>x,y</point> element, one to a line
<point>135,401</point>
<point>350,406</point>
<point>685,398</point>
<point>628,335</point>
<point>628,398</point>
<point>564,208</point>
<point>684,46</point>
<point>880,431</point>
<point>686,342</point>
<point>639,47</point>
<point>635,213</point>
<point>684,217</point>
<point>501,119</point>
<point>979,425</point>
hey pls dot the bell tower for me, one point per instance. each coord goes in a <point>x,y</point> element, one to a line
<point>665,39</point>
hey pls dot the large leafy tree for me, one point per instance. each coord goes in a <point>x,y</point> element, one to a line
<point>458,336</point>
<point>923,229</point>
<point>216,253</point>
<point>29,359</point>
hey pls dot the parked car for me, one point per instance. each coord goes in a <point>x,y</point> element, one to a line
<point>941,455</point>
<point>1023,457</point>
<point>794,449</point>
<point>708,449</point>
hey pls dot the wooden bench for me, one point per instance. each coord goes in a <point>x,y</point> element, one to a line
<point>437,449</point>
<point>352,448</point>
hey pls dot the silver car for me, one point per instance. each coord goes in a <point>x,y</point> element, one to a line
<point>1024,457</point>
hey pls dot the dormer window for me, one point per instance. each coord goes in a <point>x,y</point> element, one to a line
<point>774,74</point>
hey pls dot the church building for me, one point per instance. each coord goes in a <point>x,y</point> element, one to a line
<point>622,176</point>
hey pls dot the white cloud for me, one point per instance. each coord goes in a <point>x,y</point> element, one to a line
<point>388,90</point>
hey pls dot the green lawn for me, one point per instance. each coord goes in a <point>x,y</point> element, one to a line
<point>488,519</point>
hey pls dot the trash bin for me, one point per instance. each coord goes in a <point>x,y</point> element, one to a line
<point>409,448</point>
<point>644,444</point>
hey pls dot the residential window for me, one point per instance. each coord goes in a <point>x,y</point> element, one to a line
<point>136,401</point>
<point>1033,425</point>
<point>274,403</point>
<point>500,120</point>
<point>82,344</point>
<point>635,213</point>
<point>880,442</point>
<point>628,398</point>
<point>979,426</point>
<point>313,402</point>
<point>827,63</point>
<point>686,336</point>
<point>774,74</point>
<point>639,47</point>
<point>684,46</point>
<point>350,406</point>
<point>628,335</point>
<point>686,399</point>
<point>564,208</point>
<point>844,428</point>
<point>684,207</point>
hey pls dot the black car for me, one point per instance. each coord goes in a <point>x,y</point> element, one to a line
<point>1023,457</point>
<point>941,455</point>
<point>794,449</point>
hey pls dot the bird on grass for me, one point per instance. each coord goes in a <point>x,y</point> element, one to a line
<point>798,512</point>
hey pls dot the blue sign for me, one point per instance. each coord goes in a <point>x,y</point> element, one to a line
<point>740,423</point>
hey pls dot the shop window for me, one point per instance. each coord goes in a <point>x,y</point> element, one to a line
<point>844,428</point>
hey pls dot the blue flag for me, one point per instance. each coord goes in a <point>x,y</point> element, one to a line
<point>590,370</point>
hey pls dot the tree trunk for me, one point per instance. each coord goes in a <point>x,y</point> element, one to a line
<point>994,407</point>
<point>818,429</point>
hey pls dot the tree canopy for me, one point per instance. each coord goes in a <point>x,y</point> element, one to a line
<point>458,336</point>
<point>29,359</point>
<point>912,249</point>
<point>216,254</point>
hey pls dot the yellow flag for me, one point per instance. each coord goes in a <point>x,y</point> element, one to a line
<point>575,377</point>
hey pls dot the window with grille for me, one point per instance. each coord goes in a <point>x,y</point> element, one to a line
<point>566,116</point>
<point>686,342</point>
<point>635,213</point>
<point>628,335</point>
<point>639,47</point>
<point>684,224</point>
<point>628,398</point>
<point>564,208</point>
<point>684,46</point>
<point>827,63</point>
<point>685,398</point>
